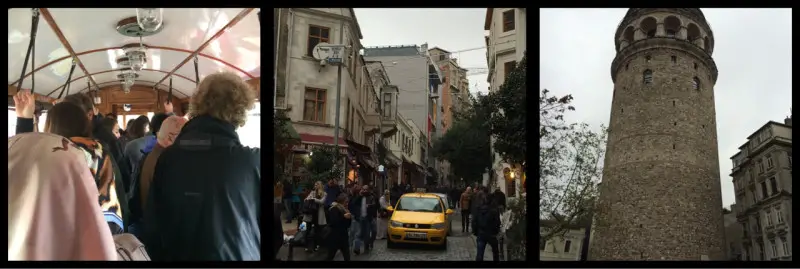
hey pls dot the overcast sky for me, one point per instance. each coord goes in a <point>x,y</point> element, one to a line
<point>752,50</point>
<point>451,29</point>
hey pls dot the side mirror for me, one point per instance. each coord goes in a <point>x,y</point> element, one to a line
<point>389,208</point>
<point>449,212</point>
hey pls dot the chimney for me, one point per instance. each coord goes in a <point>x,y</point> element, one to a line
<point>788,121</point>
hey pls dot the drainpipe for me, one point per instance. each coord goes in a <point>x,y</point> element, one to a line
<point>290,40</point>
<point>276,49</point>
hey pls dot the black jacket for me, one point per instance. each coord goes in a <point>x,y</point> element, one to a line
<point>114,147</point>
<point>338,226</point>
<point>486,223</point>
<point>372,206</point>
<point>205,197</point>
<point>500,197</point>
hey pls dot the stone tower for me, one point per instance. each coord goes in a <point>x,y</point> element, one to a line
<point>660,198</point>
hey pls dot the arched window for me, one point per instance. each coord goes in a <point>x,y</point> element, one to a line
<point>648,77</point>
<point>696,83</point>
<point>671,26</point>
<point>648,26</point>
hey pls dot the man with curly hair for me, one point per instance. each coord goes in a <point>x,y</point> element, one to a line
<point>204,201</point>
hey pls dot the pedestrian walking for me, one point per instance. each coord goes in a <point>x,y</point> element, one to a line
<point>486,226</point>
<point>364,207</point>
<point>464,202</point>
<point>395,194</point>
<point>383,216</point>
<point>287,200</point>
<point>335,234</point>
<point>501,199</point>
<point>315,216</point>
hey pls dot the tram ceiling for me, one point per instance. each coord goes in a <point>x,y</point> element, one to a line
<point>226,39</point>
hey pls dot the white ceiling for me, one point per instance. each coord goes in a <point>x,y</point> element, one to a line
<point>91,34</point>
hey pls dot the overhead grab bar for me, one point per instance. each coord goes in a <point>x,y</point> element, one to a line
<point>196,73</point>
<point>169,97</point>
<point>69,78</point>
<point>34,28</point>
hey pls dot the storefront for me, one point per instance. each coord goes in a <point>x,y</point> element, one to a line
<point>362,166</point>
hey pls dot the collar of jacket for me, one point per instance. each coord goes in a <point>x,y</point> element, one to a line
<point>209,125</point>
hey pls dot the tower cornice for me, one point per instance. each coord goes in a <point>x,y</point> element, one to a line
<point>663,43</point>
<point>692,13</point>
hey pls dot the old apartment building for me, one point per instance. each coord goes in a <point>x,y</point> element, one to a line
<point>762,179</point>
<point>307,89</point>
<point>505,47</point>
<point>572,246</point>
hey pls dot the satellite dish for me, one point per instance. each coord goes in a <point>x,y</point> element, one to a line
<point>321,51</point>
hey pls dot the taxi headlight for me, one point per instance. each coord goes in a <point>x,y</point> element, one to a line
<point>438,226</point>
<point>396,224</point>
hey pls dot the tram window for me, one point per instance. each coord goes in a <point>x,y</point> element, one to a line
<point>150,115</point>
<point>12,123</point>
<point>121,121</point>
<point>42,119</point>
<point>250,133</point>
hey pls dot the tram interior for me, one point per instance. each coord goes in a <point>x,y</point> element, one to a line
<point>128,68</point>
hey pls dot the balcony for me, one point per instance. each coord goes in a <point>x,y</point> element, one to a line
<point>387,125</point>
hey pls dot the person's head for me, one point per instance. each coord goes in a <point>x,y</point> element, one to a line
<point>112,116</point>
<point>46,175</point>
<point>224,96</point>
<point>111,125</point>
<point>331,182</point>
<point>365,189</point>
<point>67,120</point>
<point>157,121</point>
<point>169,130</point>
<point>139,127</point>
<point>83,101</point>
<point>469,189</point>
<point>129,124</point>
<point>386,193</point>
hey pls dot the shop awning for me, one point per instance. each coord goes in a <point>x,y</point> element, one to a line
<point>420,169</point>
<point>289,128</point>
<point>321,139</point>
<point>358,148</point>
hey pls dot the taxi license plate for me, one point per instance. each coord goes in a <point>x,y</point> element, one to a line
<point>417,235</point>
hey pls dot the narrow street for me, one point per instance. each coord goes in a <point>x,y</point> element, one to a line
<point>460,247</point>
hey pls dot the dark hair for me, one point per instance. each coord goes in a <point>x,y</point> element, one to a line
<point>155,123</point>
<point>137,129</point>
<point>82,100</point>
<point>111,116</point>
<point>108,124</point>
<point>130,123</point>
<point>67,120</point>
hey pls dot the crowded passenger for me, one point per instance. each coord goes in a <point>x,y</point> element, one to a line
<point>364,207</point>
<point>204,199</point>
<point>339,221</point>
<point>53,213</point>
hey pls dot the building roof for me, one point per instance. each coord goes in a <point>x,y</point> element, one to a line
<point>405,50</point>
<point>438,48</point>
<point>358,27</point>
<point>487,25</point>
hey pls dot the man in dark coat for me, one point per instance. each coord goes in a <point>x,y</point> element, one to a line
<point>501,199</point>
<point>205,196</point>
<point>395,193</point>
<point>486,226</point>
<point>364,208</point>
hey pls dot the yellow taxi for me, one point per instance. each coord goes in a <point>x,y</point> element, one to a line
<point>419,218</point>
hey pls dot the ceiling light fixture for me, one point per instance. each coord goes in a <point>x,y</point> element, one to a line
<point>150,19</point>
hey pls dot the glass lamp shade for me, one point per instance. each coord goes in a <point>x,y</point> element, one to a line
<point>150,19</point>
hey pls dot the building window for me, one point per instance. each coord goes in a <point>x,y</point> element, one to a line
<point>773,184</point>
<point>696,83</point>
<point>648,77</point>
<point>647,58</point>
<point>695,66</point>
<point>769,163</point>
<point>774,247</point>
<point>768,217</point>
<point>508,20</point>
<point>387,105</point>
<point>789,157</point>
<point>316,35</point>
<point>764,193</point>
<point>567,246</point>
<point>785,247</point>
<point>778,214</point>
<point>674,59</point>
<point>761,251</point>
<point>760,167</point>
<point>509,67</point>
<point>314,107</point>
<point>626,67</point>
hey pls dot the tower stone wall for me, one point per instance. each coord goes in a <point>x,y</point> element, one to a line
<point>661,196</point>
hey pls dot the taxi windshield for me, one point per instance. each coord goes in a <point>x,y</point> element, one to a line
<point>418,204</point>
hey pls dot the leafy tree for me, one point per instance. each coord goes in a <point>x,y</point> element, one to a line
<point>324,164</point>
<point>508,118</point>
<point>282,143</point>
<point>570,165</point>
<point>465,145</point>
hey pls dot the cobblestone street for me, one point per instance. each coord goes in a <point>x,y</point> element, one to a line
<point>460,247</point>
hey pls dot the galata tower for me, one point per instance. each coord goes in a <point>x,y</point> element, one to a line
<point>660,198</point>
